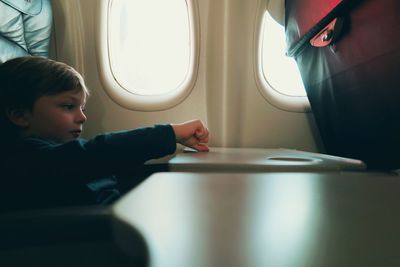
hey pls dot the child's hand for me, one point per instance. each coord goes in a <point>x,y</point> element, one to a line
<point>192,134</point>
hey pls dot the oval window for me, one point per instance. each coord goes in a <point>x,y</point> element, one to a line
<point>279,70</point>
<point>149,45</point>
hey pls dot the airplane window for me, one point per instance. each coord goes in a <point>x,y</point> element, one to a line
<point>150,45</point>
<point>279,71</point>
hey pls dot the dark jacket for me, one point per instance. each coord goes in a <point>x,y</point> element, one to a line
<point>40,174</point>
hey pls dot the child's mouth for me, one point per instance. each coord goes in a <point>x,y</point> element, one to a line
<point>76,133</point>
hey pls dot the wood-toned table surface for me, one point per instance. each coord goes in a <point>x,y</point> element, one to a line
<point>262,219</point>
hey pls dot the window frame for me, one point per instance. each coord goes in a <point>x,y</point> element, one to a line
<point>137,102</point>
<point>271,95</point>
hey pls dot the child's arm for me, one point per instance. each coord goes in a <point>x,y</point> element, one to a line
<point>192,134</point>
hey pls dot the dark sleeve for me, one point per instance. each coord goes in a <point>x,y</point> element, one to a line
<point>106,154</point>
<point>134,146</point>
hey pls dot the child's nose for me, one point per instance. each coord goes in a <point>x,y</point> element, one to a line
<point>81,118</point>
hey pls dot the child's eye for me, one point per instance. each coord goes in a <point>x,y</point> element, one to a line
<point>68,106</point>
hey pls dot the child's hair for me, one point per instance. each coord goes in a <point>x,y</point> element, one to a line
<point>25,79</point>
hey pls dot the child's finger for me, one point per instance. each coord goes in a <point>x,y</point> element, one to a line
<point>202,133</point>
<point>201,147</point>
<point>203,140</point>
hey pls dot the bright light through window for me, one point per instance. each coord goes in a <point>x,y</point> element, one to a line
<point>149,44</point>
<point>280,71</point>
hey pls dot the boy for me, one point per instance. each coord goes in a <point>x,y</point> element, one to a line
<point>46,164</point>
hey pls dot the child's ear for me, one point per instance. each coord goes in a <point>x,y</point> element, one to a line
<point>19,117</point>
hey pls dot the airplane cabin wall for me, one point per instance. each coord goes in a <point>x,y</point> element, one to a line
<point>225,95</point>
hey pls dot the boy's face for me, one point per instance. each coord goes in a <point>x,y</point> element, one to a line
<point>58,118</point>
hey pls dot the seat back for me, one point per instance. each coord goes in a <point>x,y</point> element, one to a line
<point>348,56</point>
